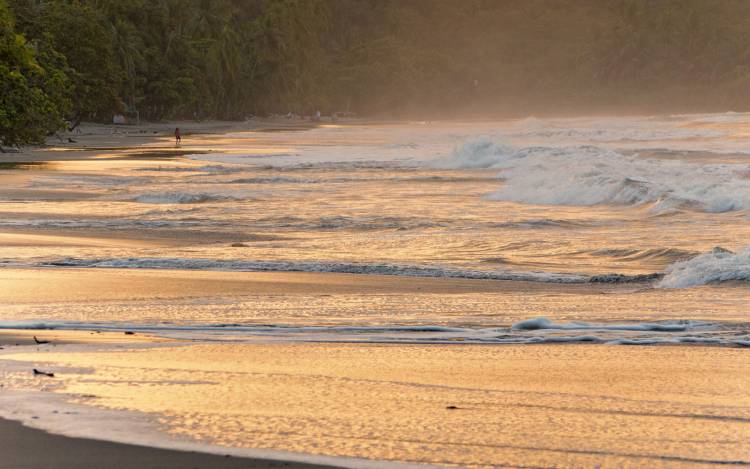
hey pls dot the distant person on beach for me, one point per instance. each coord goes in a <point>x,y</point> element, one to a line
<point>177,136</point>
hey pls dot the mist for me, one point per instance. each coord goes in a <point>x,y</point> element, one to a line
<point>429,59</point>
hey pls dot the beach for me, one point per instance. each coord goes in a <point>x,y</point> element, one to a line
<point>372,294</point>
<point>21,449</point>
<point>572,405</point>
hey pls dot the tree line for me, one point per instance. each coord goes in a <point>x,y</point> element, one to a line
<point>62,61</point>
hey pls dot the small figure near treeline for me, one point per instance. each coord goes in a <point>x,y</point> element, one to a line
<point>177,136</point>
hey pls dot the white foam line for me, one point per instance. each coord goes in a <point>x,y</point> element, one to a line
<point>531,331</point>
<point>590,175</point>
<point>330,267</point>
<point>542,323</point>
<point>719,265</point>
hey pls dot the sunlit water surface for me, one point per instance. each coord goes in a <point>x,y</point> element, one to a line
<point>653,204</point>
<point>642,221</point>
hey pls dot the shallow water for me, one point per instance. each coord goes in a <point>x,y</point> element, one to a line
<point>657,202</point>
<point>557,200</point>
<point>615,315</point>
<point>515,237</point>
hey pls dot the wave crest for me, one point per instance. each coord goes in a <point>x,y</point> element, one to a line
<point>312,266</point>
<point>589,175</point>
<point>180,198</point>
<point>719,265</point>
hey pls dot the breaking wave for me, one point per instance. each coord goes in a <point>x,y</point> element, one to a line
<point>625,278</point>
<point>719,265</point>
<point>714,267</point>
<point>330,267</point>
<point>589,175</point>
<point>684,269</point>
<point>180,198</point>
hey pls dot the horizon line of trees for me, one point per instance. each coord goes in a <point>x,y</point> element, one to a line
<point>62,61</point>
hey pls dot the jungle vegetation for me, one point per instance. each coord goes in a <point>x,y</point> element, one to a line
<point>62,61</point>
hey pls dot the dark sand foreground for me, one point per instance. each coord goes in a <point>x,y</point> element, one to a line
<point>24,447</point>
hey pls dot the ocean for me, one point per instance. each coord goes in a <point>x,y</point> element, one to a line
<point>654,205</point>
<point>574,290</point>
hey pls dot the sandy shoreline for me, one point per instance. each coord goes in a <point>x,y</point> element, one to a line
<point>81,284</point>
<point>376,394</point>
<point>145,141</point>
<point>149,139</point>
<point>29,448</point>
<point>18,337</point>
<point>474,406</point>
<point>94,143</point>
<point>22,434</point>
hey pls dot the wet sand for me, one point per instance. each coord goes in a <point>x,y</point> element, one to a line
<point>17,337</point>
<point>28,448</point>
<point>21,445</point>
<point>71,284</point>
<point>148,140</point>
<point>466,405</point>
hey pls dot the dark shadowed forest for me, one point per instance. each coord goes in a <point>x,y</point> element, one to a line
<point>67,60</point>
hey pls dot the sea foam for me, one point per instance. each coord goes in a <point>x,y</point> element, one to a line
<point>320,266</point>
<point>590,175</point>
<point>719,265</point>
<point>180,198</point>
<point>542,323</point>
<point>531,331</point>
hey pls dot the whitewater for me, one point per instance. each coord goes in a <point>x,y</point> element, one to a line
<point>647,206</point>
<point>363,294</point>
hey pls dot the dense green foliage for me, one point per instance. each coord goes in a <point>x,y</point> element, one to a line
<point>234,58</point>
<point>34,87</point>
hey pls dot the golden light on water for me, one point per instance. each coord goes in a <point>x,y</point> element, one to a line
<point>240,251</point>
<point>571,405</point>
